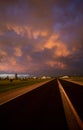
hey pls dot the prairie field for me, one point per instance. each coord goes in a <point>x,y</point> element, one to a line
<point>7,85</point>
<point>77,78</point>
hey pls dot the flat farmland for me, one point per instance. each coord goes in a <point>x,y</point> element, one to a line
<point>7,85</point>
<point>78,79</point>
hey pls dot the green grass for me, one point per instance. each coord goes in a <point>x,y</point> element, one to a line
<point>6,85</point>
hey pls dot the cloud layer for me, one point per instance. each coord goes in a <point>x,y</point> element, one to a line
<point>41,37</point>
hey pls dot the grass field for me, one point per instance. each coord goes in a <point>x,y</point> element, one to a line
<point>77,78</point>
<point>6,85</point>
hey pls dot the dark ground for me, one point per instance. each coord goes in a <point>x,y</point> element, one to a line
<point>75,94</point>
<point>36,110</point>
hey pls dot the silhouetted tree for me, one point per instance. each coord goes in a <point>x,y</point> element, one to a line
<point>16,76</point>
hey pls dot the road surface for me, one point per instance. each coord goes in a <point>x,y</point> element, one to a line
<point>75,93</point>
<point>38,109</point>
<point>45,107</point>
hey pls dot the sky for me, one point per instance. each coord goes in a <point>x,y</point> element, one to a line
<point>41,37</point>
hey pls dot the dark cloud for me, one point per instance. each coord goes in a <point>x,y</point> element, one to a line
<point>7,2</point>
<point>41,36</point>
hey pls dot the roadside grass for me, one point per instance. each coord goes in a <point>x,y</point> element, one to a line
<point>7,85</point>
<point>77,78</point>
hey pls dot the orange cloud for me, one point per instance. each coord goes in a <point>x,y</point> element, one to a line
<point>18,52</point>
<point>3,53</point>
<point>51,42</point>
<point>11,68</point>
<point>61,50</point>
<point>20,30</point>
<point>11,65</point>
<point>38,33</point>
<point>12,61</point>
<point>56,64</point>
<point>27,30</point>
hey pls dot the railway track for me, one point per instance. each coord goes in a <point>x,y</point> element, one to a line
<point>45,107</point>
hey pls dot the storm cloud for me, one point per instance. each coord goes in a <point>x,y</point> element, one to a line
<point>41,37</point>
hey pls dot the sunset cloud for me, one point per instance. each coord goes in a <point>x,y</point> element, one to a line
<point>51,42</point>
<point>56,64</point>
<point>61,50</point>
<point>18,51</point>
<point>42,37</point>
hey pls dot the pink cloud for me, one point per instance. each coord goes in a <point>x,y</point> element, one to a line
<point>18,51</point>
<point>56,64</point>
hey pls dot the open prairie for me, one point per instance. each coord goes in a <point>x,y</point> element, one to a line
<point>77,78</point>
<point>7,85</point>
